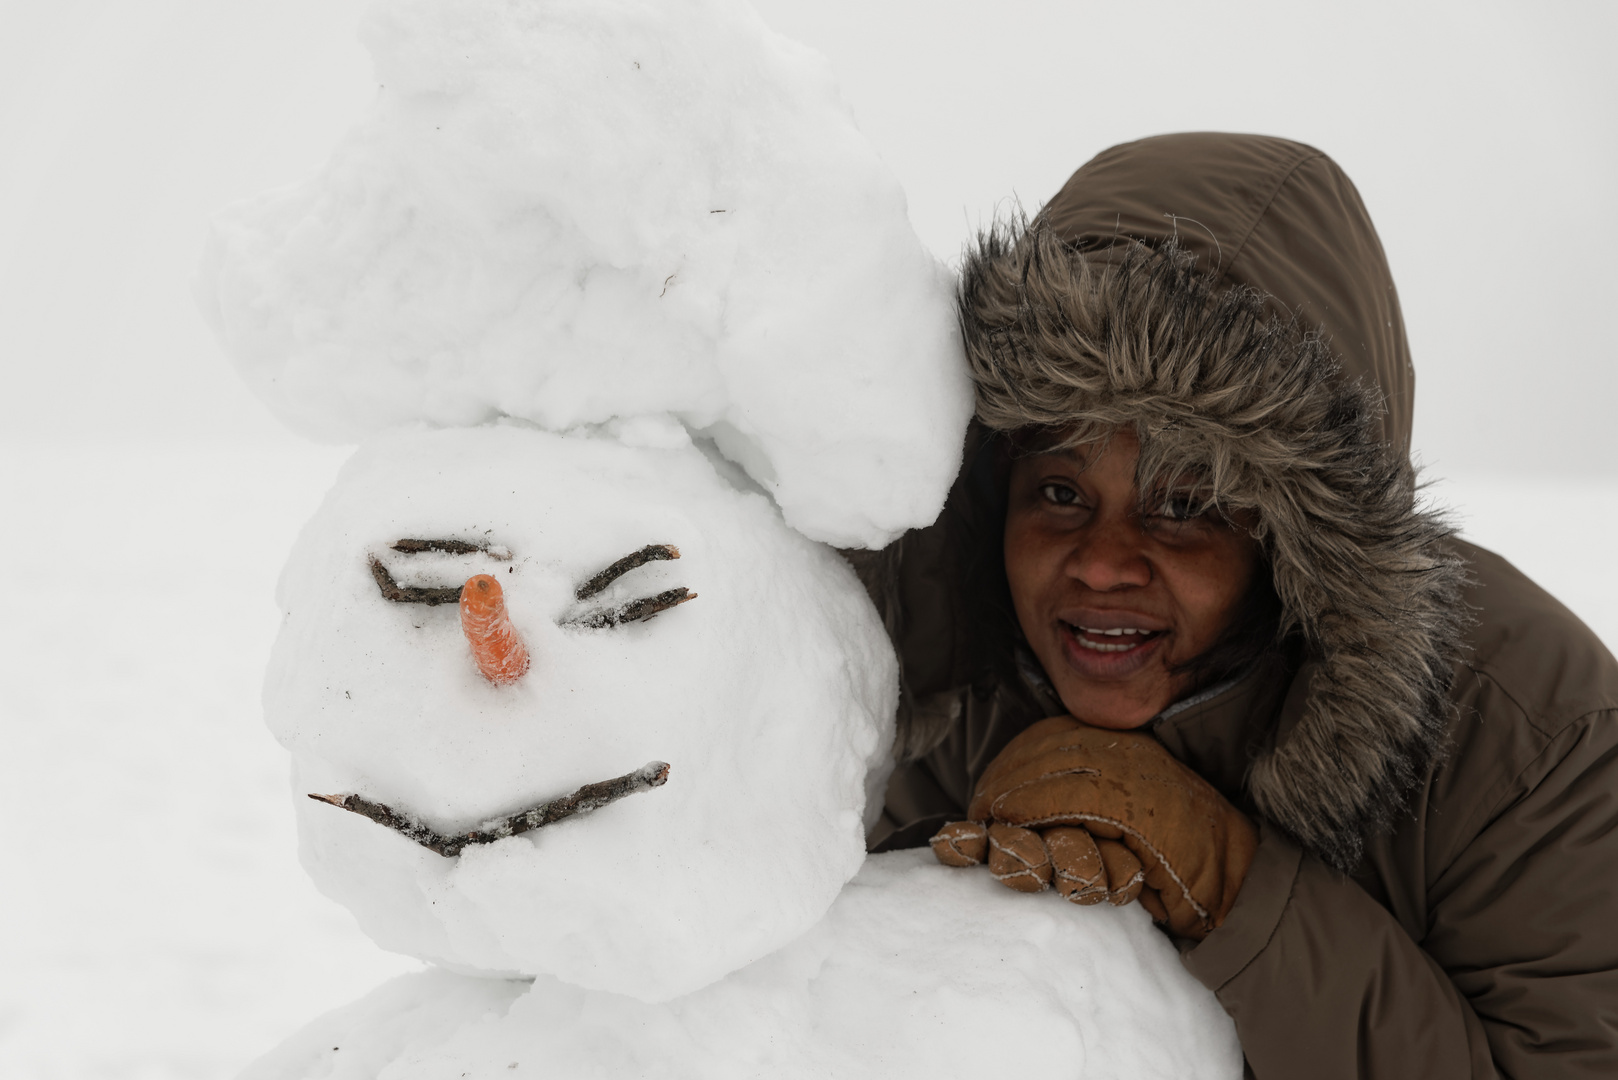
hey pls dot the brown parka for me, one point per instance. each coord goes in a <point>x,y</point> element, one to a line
<point>1431,741</point>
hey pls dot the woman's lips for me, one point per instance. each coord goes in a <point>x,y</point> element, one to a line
<point>1108,652</point>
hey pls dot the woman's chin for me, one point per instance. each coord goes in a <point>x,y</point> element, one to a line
<point>1114,721</point>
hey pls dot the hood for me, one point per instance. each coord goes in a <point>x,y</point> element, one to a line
<point>1276,216</point>
<point>1226,296</point>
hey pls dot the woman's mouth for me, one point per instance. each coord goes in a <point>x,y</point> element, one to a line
<point>1110,641</point>
<point>1108,652</point>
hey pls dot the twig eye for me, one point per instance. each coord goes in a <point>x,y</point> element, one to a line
<point>409,594</point>
<point>432,597</point>
<point>634,610</point>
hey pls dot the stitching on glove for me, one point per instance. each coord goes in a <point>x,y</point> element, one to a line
<point>1043,884</point>
<point>1081,886</point>
<point>1071,819</point>
<point>949,841</point>
<point>1067,875</point>
<point>1138,875</point>
<point>1077,770</point>
<point>1028,867</point>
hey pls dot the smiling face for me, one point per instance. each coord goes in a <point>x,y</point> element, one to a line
<point>1115,592</point>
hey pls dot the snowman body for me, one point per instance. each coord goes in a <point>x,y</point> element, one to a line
<point>915,971</point>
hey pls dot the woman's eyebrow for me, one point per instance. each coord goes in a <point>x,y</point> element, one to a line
<point>1068,454</point>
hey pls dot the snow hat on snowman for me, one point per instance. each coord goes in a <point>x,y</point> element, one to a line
<point>569,211</point>
<point>592,279</point>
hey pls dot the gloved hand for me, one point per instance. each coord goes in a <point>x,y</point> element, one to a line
<point>1081,867</point>
<point>1154,828</point>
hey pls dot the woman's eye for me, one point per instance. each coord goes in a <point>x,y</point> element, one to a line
<point>1178,508</point>
<point>1059,494</point>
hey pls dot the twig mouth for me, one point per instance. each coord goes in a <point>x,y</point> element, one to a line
<point>589,797</point>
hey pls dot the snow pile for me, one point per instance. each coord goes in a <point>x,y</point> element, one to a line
<point>572,210</point>
<point>917,971</point>
<point>770,695</point>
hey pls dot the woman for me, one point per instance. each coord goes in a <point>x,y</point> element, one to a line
<point>1366,773</point>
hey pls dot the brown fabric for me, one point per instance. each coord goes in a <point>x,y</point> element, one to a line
<point>928,792</point>
<point>1476,934</point>
<point>1122,785</point>
<point>1272,214</point>
<point>1478,939</point>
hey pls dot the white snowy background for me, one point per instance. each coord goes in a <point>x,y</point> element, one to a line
<point>154,922</point>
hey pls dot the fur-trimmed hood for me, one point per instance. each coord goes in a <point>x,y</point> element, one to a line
<point>1227,298</point>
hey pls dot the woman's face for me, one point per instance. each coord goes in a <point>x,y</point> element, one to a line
<point>1112,597</point>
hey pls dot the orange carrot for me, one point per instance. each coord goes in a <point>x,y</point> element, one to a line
<point>500,654</point>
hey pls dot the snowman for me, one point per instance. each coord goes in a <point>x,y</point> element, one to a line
<point>584,708</point>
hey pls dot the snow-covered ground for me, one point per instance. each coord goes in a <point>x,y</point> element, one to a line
<point>156,922</point>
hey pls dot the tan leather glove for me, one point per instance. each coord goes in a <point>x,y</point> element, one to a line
<point>1160,831</point>
<point>1081,867</point>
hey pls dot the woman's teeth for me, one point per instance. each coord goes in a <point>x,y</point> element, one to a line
<point>1124,640</point>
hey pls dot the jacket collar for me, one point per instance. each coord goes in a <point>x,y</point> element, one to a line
<point>1218,735</point>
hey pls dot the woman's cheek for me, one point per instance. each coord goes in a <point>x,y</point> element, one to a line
<point>1209,584</point>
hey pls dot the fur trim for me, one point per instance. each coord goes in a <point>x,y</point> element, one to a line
<point>1252,410</point>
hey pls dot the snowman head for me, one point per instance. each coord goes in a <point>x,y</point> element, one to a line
<point>769,696</point>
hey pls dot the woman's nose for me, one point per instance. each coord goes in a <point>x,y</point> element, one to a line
<point>1110,555</point>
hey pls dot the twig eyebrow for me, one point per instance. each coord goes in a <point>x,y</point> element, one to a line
<point>649,553</point>
<point>589,797</point>
<point>453,547</point>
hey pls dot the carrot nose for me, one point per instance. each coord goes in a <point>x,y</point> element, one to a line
<point>500,654</point>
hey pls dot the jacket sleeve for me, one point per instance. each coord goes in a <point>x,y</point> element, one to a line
<point>1516,974</point>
